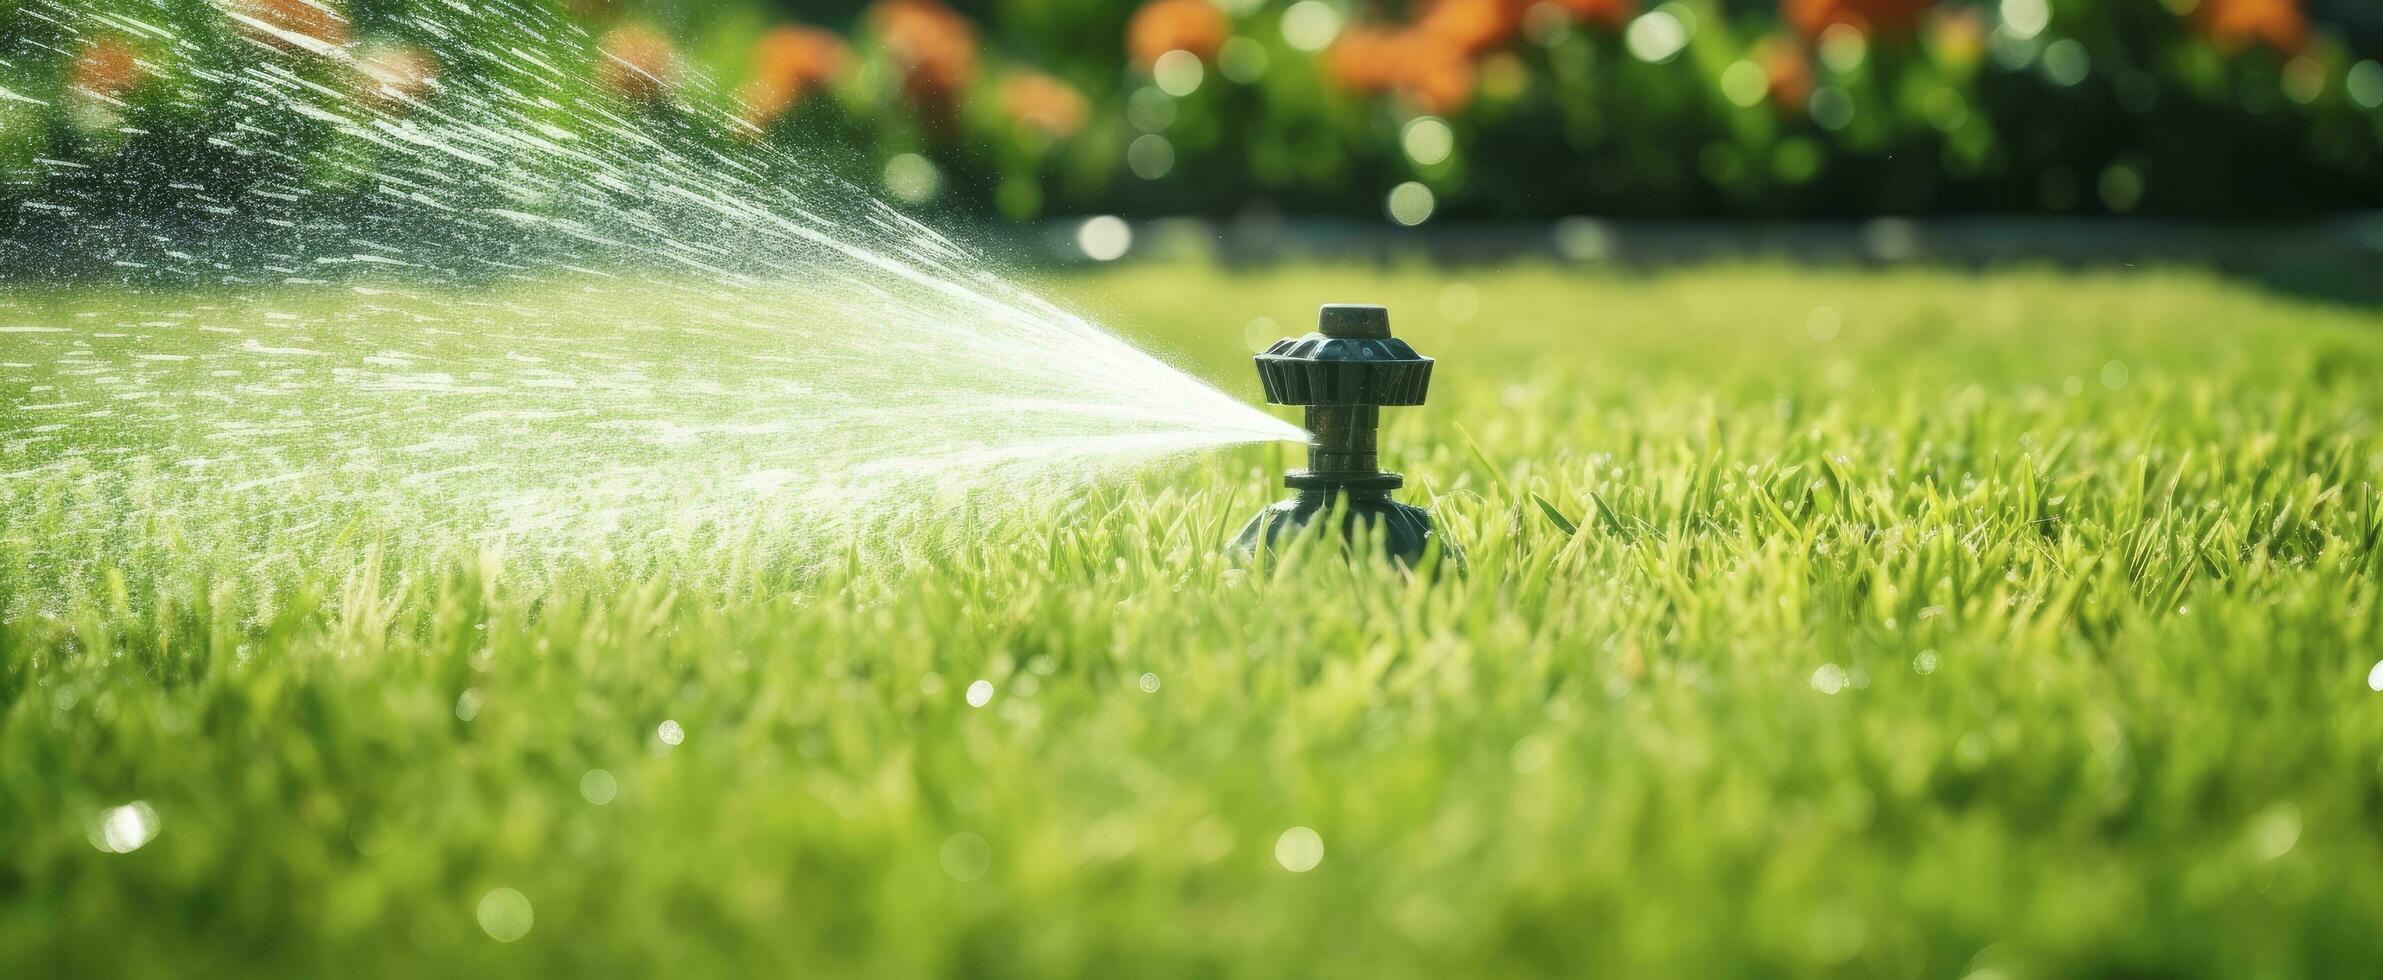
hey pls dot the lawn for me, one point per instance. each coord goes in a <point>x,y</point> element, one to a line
<point>1816,623</point>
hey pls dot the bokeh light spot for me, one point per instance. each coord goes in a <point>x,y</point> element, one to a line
<point>2364,85</point>
<point>598,787</point>
<point>1410,203</point>
<point>2066,61</point>
<point>966,857</point>
<point>1744,83</point>
<point>505,914</point>
<point>912,179</point>
<point>2122,187</point>
<point>1428,141</point>
<point>1178,73</point>
<point>1243,60</point>
<point>1150,156</point>
<point>124,829</point>
<point>1655,37</point>
<point>1832,107</point>
<point>1299,850</point>
<point>2026,18</point>
<point>1829,679</point>
<point>2115,375</point>
<point>1843,47</point>
<point>1310,25</point>
<point>1105,238</point>
<point>1823,323</point>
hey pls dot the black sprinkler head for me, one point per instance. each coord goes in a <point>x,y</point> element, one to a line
<point>1343,374</point>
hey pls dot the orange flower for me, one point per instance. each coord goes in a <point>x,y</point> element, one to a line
<point>292,26</point>
<point>1788,70</point>
<point>1875,18</point>
<point>1435,75</point>
<point>637,63</point>
<point>108,67</point>
<point>788,63</point>
<point>1608,14</point>
<point>1473,26</point>
<point>935,47</point>
<point>1364,59</point>
<point>1176,25</point>
<point>1039,102</point>
<point>2237,24</point>
<point>1424,68</point>
<point>394,76</point>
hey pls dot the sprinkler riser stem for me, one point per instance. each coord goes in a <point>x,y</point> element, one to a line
<point>1343,440</point>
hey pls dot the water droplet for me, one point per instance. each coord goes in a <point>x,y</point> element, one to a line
<point>980,694</point>
<point>670,733</point>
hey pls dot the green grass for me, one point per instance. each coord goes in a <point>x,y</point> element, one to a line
<point>2023,625</point>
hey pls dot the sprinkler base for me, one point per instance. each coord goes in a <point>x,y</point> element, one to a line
<point>1406,532</point>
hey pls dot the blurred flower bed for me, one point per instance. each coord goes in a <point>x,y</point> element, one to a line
<point>1429,110</point>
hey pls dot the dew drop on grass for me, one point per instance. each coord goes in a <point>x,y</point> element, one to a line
<point>2374,677</point>
<point>1149,683</point>
<point>505,915</point>
<point>670,733</point>
<point>980,694</point>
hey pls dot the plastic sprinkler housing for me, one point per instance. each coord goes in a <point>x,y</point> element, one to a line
<point>1343,375</point>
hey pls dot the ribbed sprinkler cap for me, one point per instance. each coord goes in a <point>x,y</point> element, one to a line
<point>1354,321</point>
<point>1351,359</point>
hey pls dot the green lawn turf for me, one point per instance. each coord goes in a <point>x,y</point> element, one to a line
<point>2021,623</point>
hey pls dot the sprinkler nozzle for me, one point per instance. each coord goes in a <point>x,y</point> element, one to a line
<point>1343,374</point>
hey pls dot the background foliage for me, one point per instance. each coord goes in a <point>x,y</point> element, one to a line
<point>1422,111</point>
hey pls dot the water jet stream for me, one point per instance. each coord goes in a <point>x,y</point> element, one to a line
<point>516,307</point>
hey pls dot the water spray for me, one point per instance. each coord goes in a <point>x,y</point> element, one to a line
<point>1343,375</point>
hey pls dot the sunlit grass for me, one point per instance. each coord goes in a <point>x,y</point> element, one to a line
<point>2019,622</point>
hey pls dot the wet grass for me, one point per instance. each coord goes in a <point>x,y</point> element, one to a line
<point>2017,623</point>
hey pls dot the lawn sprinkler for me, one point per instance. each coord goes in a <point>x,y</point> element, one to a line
<point>1342,375</point>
